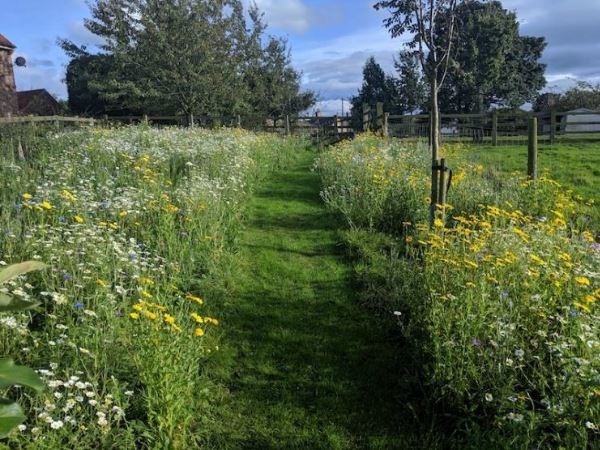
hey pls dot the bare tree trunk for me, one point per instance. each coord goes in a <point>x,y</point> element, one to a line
<point>435,144</point>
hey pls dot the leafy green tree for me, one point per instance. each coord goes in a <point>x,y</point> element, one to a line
<point>492,64</point>
<point>583,95</point>
<point>376,87</point>
<point>411,85</point>
<point>182,57</point>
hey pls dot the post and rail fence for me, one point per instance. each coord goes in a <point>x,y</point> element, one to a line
<point>489,129</point>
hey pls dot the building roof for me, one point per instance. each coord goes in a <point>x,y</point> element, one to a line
<point>583,110</point>
<point>6,43</point>
<point>26,97</point>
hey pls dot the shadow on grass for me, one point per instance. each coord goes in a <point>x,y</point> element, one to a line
<point>309,367</point>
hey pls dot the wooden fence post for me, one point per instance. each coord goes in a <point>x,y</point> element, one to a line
<point>386,124</point>
<point>495,128</point>
<point>288,128</point>
<point>434,190</point>
<point>379,117</point>
<point>190,120</point>
<point>532,149</point>
<point>239,121</point>
<point>366,117</point>
<point>442,186</point>
<point>552,126</point>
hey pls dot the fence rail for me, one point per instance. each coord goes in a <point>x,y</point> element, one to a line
<point>494,128</point>
<point>321,129</point>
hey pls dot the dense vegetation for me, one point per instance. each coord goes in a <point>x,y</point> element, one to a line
<point>138,226</point>
<point>492,64</point>
<point>181,57</point>
<point>497,301</point>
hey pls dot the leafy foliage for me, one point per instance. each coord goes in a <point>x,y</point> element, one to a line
<point>181,57</point>
<point>11,414</point>
<point>492,63</point>
<point>583,95</point>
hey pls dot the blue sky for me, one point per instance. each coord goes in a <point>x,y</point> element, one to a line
<point>330,39</point>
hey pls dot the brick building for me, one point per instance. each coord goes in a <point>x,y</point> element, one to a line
<point>8,90</point>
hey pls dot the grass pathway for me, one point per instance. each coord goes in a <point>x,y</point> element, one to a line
<point>309,367</point>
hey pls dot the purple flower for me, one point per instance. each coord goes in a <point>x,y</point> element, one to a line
<point>573,312</point>
<point>18,206</point>
<point>79,305</point>
<point>67,276</point>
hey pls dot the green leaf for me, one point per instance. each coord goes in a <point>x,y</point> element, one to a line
<point>15,270</point>
<point>11,374</point>
<point>11,415</point>
<point>8,303</point>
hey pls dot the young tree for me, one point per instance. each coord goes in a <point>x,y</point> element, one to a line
<point>420,19</point>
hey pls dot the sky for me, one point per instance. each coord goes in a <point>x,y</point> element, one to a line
<point>330,40</point>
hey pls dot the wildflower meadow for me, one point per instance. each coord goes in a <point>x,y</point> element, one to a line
<point>137,227</point>
<point>497,301</point>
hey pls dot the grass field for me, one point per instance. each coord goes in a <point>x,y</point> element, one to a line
<point>574,165</point>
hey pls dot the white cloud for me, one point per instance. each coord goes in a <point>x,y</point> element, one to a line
<point>288,15</point>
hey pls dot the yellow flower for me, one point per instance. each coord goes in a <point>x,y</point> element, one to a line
<point>169,319</point>
<point>539,261</point>
<point>146,280</point>
<point>27,196</point>
<point>470,264</point>
<point>101,282</point>
<point>589,299</point>
<point>150,315</point>
<point>46,205</point>
<point>583,307</point>
<point>123,214</point>
<point>197,318</point>
<point>68,196</point>
<point>78,219</point>
<point>438,223</point>
<point>583,281</point>
<point>195,299</point>
<point>146,294</point>
<point>134,316</point>
<point>198,332</point>
<point>470,284</point>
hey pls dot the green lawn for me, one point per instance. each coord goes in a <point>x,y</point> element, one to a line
<point>574,165</point>
<point>307,366</point>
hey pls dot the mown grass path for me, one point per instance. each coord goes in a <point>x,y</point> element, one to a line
<point>310,368</point>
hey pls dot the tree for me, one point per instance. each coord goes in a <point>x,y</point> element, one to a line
<point>182,57</point>
<point>432,46</point>
<point>583,95</point>
<point>410,84</point>
<point>377,87</point>
<point>492,63</point>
